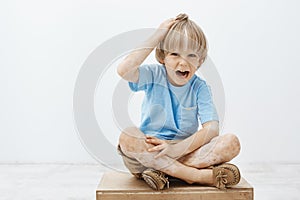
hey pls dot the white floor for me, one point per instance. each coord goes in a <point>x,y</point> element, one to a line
<point>78,182</point>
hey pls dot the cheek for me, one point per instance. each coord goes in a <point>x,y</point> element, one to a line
<point>167,60</point>
<point>195,62</point>
<point>169,63</point>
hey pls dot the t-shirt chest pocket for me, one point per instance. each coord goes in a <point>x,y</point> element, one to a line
<point>188,119</point>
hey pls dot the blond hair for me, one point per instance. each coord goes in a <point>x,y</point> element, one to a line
<point>183,35</point>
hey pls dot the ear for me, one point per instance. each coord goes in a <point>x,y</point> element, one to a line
<point>159,55</point>
<point>161,61</point>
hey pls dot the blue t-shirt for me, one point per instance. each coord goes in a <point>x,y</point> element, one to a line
<point>170,112</point>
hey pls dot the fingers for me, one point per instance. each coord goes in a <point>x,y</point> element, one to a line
<point>167,23</point>
<point>157,148</point>
<point>160,145</point>
<point>153,140</point>
<point>149,137</point>
<point>171,22</point>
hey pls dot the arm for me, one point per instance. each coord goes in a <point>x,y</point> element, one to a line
<point>210,130</point>
<point>128,68</point>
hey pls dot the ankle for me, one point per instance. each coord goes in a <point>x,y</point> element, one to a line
<point>205,177</point>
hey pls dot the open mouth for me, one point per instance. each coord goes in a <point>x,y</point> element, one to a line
<point>183,74</point>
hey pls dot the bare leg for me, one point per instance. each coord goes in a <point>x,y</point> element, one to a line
<point>132,142</point>
<point>219,150</point>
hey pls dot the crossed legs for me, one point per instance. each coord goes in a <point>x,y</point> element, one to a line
<point>190,168</point>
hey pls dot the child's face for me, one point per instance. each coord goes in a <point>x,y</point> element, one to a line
<point>181,66</point>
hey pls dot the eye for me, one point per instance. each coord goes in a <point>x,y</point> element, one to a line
<point>174,54</point>
<point>192,55</point>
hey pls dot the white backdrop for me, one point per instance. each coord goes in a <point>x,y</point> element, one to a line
<point>43,44</point>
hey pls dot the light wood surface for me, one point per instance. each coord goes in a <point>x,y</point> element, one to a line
<point>121,186</point>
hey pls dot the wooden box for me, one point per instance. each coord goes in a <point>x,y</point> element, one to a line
<point>121,186</point>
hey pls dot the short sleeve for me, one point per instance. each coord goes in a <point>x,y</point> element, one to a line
<point>206,108</point>
<point>145,79</point>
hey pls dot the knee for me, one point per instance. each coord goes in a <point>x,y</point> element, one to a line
<point>130,134</point>
<point>234,143</point>
<point>131,139</point>
<point>123,138</point>
<point>132,142</point>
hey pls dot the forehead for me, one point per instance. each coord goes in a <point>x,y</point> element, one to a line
<point>183,41</point>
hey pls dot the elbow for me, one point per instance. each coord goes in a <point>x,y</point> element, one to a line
<point>120,70</point>
<point>128,72</point>
<point>213,131</point>
<point>126,68</point>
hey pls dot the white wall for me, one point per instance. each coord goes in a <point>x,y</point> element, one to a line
<point>43,44</point>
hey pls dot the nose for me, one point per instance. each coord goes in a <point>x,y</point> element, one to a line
<point>182,61</point>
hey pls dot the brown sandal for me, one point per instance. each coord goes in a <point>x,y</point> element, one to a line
<point>226,175</point>
<point>157,180</point>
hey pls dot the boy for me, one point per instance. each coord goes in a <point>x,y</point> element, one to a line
<point>168,141</point>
